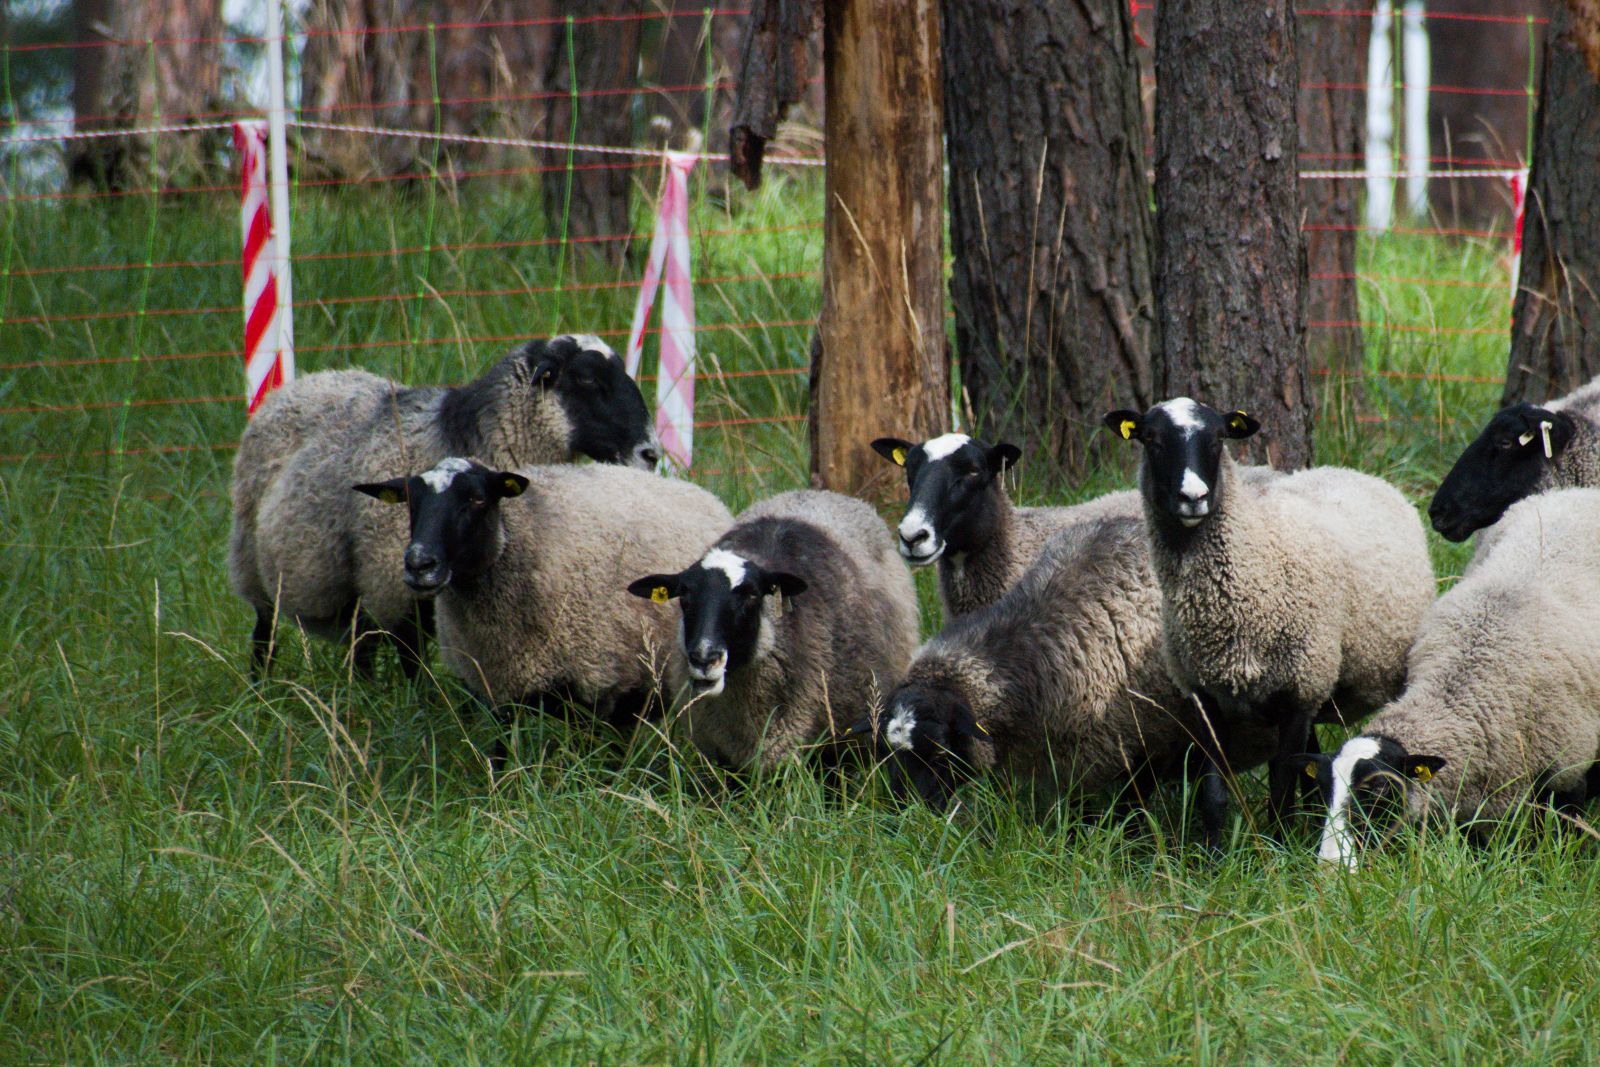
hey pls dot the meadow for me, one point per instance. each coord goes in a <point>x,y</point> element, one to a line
<point>322,868</point>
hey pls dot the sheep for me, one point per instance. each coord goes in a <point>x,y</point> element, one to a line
<point>1285,601</point>
<point>1059,686</point>
<point>1503,698</point>
<point>797,619</point>
<point>960,515</point>
<point>527,571</point>
<point>307,553</point>
<point>1525,449</point>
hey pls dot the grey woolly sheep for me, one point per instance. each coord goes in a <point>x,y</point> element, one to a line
<point>1059,686</point>
<point>1503,698</point>
<point>528,572</point>
<point>1525,449</point>
<point>1286,601</point>
<point>306,551</point>
<point>791,626</point>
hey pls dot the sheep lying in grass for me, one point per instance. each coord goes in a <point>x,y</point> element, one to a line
<point>528,570</point>
<point>1503,698</point>
<point>1279,598</point>
<point>797,619</point>
<point>1525,449</point>
<point>303,549</point>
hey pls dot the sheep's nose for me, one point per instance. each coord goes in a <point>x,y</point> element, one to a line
<point>915,537</point>
<point>703,657</point>
<point>419,558</point>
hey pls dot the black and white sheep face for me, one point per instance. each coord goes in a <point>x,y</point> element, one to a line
<point>723,623</point>
<point>1367,785</point>
<point>1506,462</point>
<point>926,738</point>
<point>1182,442</point>
<point>604,411</point>
<point>954,493</point>
<point>455,520</point>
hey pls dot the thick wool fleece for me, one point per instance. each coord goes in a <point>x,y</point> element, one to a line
<point>1578,466</point>
<point>1505,675</point>
<point>553,613</point>
<point>830,653</point>
<point>1309,586</point>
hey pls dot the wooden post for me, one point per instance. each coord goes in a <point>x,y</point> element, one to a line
<point>880,366</point>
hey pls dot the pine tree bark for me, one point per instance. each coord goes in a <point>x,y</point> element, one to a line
<point>1476,118</point>
<point>1230,263</point>
<point>593,199</point>
<point>1333,120</point>
<point>1049,219</point>
<point>1555,332</point>
<point>165,67</point>
<point>879,363</point>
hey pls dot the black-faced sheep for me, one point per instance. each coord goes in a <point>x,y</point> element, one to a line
<point>529,569</point>
<point>790,628</point>
<point>307,551</point>
<point>1503,698</point>
<point>1283,602</point>
<point>1525,449</point>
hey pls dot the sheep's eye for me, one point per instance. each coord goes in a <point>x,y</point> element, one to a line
<point>1506,444</point>
<point>476,502</point>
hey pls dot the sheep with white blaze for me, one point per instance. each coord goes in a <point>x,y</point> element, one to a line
<point>528,571</point>
<point>791,626</point>
<point>1058,687</point>
<point>959,515</point>
<point>1503,698</point>
<point>1525,449</point>
<point>317,553</point>
<point>1283,602</point>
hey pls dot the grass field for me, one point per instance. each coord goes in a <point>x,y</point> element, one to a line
<point>321,869</point>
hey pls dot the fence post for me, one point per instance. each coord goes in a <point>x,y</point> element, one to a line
<point>880,364</point>
<point>278,178</point>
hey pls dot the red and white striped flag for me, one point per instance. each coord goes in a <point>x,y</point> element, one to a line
<point>268,337</point>
<point>669,258</point>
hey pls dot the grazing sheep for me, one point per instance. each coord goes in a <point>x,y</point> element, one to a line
<point>1503,698</point>
<point>1281,599</point>
<point>960,516</point>
<point>314,554</point>
<point>528,568</point>
<point>798,618</point>
<point>1524,450</point>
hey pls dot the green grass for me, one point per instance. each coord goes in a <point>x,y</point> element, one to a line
<point>320,870</point>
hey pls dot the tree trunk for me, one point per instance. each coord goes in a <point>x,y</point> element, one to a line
<point>166,69</point>
<point>1555,333</point>
<point>1230,263</point>
<point>602,59</point>
<point>1049,218</point>
<point>880,364</point>
<point>775,64</point>
<point>1471,126</point>
<point>1333,50</point>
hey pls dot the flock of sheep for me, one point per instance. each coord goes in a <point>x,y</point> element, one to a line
<point>1189,630</point>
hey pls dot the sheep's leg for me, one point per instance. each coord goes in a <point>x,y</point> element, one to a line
<point>1310,792</point>
<point>411,644</point>
<point>1212,791</point>
<point>261,645</point>
<point>1294,726</point>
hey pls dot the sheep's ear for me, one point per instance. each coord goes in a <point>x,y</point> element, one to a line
<point>392,491</point>
<point>506,484</point>
<point>782,582</point>
<point>1124,423</point>
<point>893,449</point>
<point>1423,768</point>
<point>1548,431</point>
<point>1003,455</point>
<point>546,369</point>
<point>1238,425</point>
<point>862,727</point>
<point>658,588</point>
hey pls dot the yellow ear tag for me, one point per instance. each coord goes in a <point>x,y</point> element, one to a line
<point>658,595</point>
<point>1127,428</point>
<point>1236,421</point>
<point>389,496</point>
<point>900,457</point>
<point>1422,773</point>
<point>1311,770</point>
<point>981,728</point>
<point>513,488</point>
